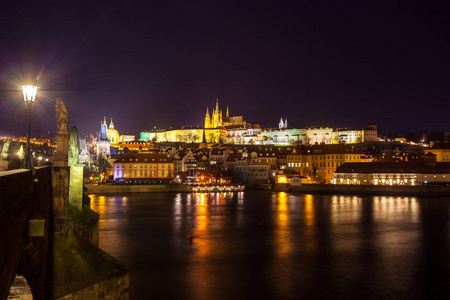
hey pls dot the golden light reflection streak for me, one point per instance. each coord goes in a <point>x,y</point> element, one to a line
<point>177,214</point>
<point>309,223</point>
<point>201,280</point>
<point>99,205</point>
<point>309,210</point>
<point>281,276</point>
<point>283,238</point>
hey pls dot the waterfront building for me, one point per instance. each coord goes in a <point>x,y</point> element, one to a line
<point>319,162</point>
<point>143,167</point>
<point>237,164</point>
<point>290,177</point>
<point>441,150</point>
<point>393,173</point>
<point>213,177</point>
<point>258,172</point>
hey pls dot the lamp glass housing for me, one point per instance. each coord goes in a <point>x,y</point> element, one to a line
<point>29,92</point>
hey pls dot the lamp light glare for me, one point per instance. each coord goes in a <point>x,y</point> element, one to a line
<point>29,92</point>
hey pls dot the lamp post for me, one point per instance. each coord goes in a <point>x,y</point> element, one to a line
<point>29,95</point>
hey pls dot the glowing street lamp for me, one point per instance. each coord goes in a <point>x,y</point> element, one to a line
<point>29,95</point>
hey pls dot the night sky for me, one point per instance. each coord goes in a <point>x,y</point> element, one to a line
<point>161,63</point>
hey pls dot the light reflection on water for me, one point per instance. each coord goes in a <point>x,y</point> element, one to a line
<point>275,245</point>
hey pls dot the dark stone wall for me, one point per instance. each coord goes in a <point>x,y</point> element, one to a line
<point>86,228</point>
<point>24,195</point>
<point>60,182</point>
<point>150,188</point>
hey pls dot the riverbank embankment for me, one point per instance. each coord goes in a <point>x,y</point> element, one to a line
<point>306,188</point>
<point>389,190</point>
<point>148,188</point>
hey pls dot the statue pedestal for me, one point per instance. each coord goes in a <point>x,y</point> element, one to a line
<point>62,146</point>
<point>60,183</point>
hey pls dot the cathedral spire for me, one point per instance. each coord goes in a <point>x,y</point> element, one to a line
<point>217,105</point>
<point>111,125</point>
<point>207,111</point>
<point>227,112</point>
<point>104,120</point>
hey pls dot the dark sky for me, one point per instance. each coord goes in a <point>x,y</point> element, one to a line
<point>161,63</point>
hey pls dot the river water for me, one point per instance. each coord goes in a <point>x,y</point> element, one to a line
<point>268,245</point>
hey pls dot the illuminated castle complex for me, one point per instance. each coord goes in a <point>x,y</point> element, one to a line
<point>235,130</point>
<point>217,120</point>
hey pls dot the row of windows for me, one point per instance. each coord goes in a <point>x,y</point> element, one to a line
<point>141,173</point>
<point>152,166</point>
<point>316,165</point>
<point>136,159</point>
<point>322,157</point>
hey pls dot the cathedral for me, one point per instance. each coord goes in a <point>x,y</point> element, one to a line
<point>217,120</point>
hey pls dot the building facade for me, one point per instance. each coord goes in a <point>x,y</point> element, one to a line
<point>319,162</point>
<point>143,166</point>
<point>442,151</point>
<point>393,173</point>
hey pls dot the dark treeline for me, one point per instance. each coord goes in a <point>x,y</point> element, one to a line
<point>422,137</point>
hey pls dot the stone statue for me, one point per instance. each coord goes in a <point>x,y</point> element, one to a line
<point>5,149</point>
<point>62,116</point>
<point>73,147</point>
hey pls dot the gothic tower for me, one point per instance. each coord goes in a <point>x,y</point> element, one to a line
<point>207,119</point>
<point>103,143</point>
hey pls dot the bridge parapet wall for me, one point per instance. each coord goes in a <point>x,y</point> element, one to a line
<point>24,196</point>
